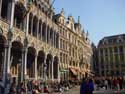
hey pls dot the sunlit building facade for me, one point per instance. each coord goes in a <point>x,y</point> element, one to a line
<point>74,46</point>
<point>32,45</point>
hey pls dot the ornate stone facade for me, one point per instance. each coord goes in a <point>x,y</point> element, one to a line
<point>42,44</point>
<point>75,48</point>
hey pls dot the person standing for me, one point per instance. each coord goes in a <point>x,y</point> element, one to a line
<point>83,86</point>
<point>90,87</point>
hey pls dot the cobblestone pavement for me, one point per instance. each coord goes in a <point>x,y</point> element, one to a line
<point>74,90</point>
<point>109,92</point>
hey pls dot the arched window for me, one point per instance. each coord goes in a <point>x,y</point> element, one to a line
<point>44,32</point>
<point>4,9</point>
<point>35,21</point>
<point>30,23</point>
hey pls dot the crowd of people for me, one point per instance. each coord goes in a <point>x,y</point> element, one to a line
<point>38,87</point>
<point>88,85</point>
<point>117,83</point>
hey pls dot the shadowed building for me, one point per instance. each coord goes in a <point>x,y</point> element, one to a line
<point>111,55</point>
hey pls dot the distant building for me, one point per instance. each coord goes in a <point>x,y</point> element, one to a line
<point>94,63</point>
<point>111,55</point>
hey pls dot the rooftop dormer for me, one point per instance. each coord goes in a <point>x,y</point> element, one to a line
<point>78,26</point>
<point>70,23</point>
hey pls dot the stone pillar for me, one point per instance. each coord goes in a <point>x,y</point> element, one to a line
<point>49,36</point>
<point>5,65</point>
<point>9,53</point>
<point>124,57</point>
<point>25,57</point>
<point>36,74</point>
<point>37,29</point>
<point>0,7</point>
<point>119,61</point>
<point>58,72</point>
<point>25,49</point>
<point>53,39</point>
<point>52,71</point>
<point>44,70</point>
<point>27,24</point>
<point>113,53</point>
<point>49,69</point>
<point>58,42</point>
<point>46,33</point>
<point>32,26</point>
<point>41,32</point>
<point>109,68</point>
<point>9,11</point>
<point>22,66</point>
<point>99,55</point>
<point>105,61</point>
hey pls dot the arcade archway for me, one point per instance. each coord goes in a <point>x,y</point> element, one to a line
<point>40,63</point>
<point>31,62</point>
<point>55,67</point>
<point>49,64</point>
<point>2,53</point>
<point>16,59</point>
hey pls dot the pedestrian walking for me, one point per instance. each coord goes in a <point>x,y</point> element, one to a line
<point>90,87</point>
<point>83,87</point>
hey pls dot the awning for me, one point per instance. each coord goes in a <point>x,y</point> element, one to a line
<point>78,70</point>
<point>73,71</point>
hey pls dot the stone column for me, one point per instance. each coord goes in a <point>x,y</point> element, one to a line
<point>27,24</point>
<point>41,32</point>
<point>113,53</point>
<point>37,29</point>
<point>119,61</point>
<point>9,52</point>
<point>53,39</point>
<point>25,57</point>
<point>31,26</point>
<point>58,72</point>
<point>49,35</point>
<point>52,71</point>
<point>58,42</point>
<point>0,7</point>
<point>25,49</point>
<point>124,57</point>
<point>22,66</point>
<point>44,69</point>
<point>109,62</point>
<point>99,56</point>
<point>105,61</point>
<point>11,14</point>
<point>46,31</point>
<point>49,69</point>
<point>9,11</point>
<point>36,74</point>
<point>5,64</point>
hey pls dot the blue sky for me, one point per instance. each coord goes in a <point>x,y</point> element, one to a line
<point>100,17</point>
